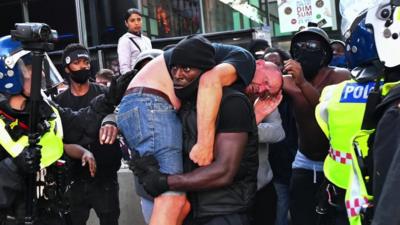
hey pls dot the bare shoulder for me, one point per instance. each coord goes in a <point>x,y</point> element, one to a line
<point>338,75</point>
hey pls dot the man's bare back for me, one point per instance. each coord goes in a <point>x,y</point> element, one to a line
<point>155,75</point>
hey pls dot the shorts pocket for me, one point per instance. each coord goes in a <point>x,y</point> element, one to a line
<point>130,126</point>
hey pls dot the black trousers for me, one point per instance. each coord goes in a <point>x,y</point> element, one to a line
<point>303,196</point>
<point>101,195</point>
<point>230,219</point>
<point>264,211</point>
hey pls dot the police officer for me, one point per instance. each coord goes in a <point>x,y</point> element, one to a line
<point>340,115</point>
<point>17,156</point>
<point>384,19</point>
<point>349,164</point>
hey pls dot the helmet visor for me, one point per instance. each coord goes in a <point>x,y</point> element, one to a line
<point>51,74</point>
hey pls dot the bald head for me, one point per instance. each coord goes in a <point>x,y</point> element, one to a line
<point>267,80</point>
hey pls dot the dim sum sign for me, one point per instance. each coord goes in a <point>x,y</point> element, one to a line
<point>294,15</point>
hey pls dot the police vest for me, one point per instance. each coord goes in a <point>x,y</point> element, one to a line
<point>51,141</point>
<point>340,114</point>
<point>357,196</point>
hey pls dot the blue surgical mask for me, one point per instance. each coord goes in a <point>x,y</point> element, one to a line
<point>338,61</point>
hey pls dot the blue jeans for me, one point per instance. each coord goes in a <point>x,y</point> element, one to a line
<point>151,126</point>
<point>282,191</point>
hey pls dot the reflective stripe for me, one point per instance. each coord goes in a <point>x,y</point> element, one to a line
<point>354,205</point>
<point>340,157</point>
<point>51,142</point>
<point>13,148</point>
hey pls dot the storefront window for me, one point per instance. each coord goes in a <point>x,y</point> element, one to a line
<point>172,18</point>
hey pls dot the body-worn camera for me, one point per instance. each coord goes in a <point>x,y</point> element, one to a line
<point>33,32</point>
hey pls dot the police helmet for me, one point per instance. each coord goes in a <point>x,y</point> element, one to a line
<point>360,43</point>
<point>320,34</point>
<point>361,51</point>
<point>11,71</point>
<point>146,55</point>
<point>15,66</point>
<point>385,22</point>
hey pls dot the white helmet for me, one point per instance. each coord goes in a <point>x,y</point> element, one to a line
<point>385,21</point>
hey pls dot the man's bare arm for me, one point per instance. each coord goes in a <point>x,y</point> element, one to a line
<point>78,152</point>
<point>229,150</point>
<point>310,93</point>
<point>208,102</point>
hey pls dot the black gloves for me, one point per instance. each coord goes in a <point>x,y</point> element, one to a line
<point>142,164</point>
<point>118,87</point>
<point>155,183</point>
<point>29,159</point>
<point>146,168</point>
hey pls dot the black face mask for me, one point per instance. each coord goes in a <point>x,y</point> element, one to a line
<point>311,63</point>
<point>189,92</point>
<point>80,76</point>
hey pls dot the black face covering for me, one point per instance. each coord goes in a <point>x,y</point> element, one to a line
<point>80,76</point>
<point>310,62</point>
<point>189,92</point>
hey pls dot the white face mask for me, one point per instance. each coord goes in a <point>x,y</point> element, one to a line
<point>386,32</point>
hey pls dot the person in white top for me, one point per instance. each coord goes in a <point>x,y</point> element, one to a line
<point>132,42</point>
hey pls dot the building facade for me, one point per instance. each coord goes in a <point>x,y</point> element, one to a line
<point>100,22</point>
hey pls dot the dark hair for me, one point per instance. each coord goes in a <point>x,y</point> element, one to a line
<point>131,11</point>
<point>282,53</point>
<point>105,74</point>
<point>257,45</point>
<point>72,48</point>
<point>334,41</point>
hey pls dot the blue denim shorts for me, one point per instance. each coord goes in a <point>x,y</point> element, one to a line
<point>151,126</point>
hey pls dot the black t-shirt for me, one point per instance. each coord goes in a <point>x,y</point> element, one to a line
<point>238,57</point>
<point>234,116</point>
<point>68,100</point>
<point>108,157</point>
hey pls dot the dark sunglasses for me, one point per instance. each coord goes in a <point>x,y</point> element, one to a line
<point>311,45</point>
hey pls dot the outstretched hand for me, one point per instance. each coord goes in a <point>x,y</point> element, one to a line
<point>201,154</point>
<point>264,107</point>
<point>88,158</point>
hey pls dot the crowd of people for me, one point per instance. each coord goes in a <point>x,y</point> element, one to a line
<point>213,133</point>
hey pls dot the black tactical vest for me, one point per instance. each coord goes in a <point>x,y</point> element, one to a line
<point>235,198</point>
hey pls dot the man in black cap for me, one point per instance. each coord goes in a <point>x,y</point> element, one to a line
<point>100,192</point>
<point>147,116</point>
<point>311,52</point>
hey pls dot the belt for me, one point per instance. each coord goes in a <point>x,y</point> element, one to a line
<point>147,90</point>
